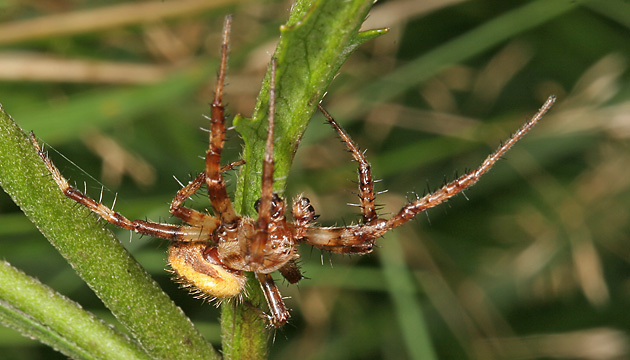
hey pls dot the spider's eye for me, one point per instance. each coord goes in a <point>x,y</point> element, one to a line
<point>277,205</point>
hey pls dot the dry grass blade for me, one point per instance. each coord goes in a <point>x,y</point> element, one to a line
<point>42,68</point>
<point>82,21</point>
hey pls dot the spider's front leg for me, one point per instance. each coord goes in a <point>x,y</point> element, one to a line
<point>216,186</point>
<point>273,245</point>
<point>359,239</point>
<point>467,180</point>
<point>303,215</point>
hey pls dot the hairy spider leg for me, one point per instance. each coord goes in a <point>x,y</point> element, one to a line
<point>266,194</point>
<point>216,187</point>
<point>303,216</point>
<point>270,212</point>
<point>461,183</point>
<point>359,239</point>
<point>191,216</point>
<point>159,230</point>
<point>279,312</point>
<point>366,184</point>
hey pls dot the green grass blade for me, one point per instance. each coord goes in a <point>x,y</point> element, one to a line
<point>96,255</point>
<point>39,312</point>
<point>474,42</point>
<point>403,293</point>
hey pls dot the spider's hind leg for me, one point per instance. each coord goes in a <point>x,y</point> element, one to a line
<point>164,231</point>
<point>279,312</point>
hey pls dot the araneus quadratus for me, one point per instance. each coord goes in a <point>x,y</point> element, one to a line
<point>212,253</point>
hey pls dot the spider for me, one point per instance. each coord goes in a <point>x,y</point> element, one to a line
<point>213,252</point>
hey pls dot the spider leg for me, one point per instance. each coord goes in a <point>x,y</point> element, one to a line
<point>351,239</point>
<point>216,187</point>
<point>188,215</point>
<point>191,216</point>
<point>303,216</point>
<point>366,184</point>
<point>257,246</point>
<point>279,312</point>
<point>231,165</point>
<point>270,208</point>
<point>359,239</point>
<point>165,231</point>
<point>461,183</point>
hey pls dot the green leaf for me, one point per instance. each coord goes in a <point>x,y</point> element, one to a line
<point>317,39</point>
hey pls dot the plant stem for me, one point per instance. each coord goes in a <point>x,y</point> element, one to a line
<point>314,43</point>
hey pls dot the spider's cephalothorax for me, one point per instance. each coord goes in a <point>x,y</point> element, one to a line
<point>212,252</point>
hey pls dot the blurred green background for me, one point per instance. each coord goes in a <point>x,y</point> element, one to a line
<point>532,263</point>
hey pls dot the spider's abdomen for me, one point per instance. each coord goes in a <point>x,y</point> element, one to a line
<point>198,266</point>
